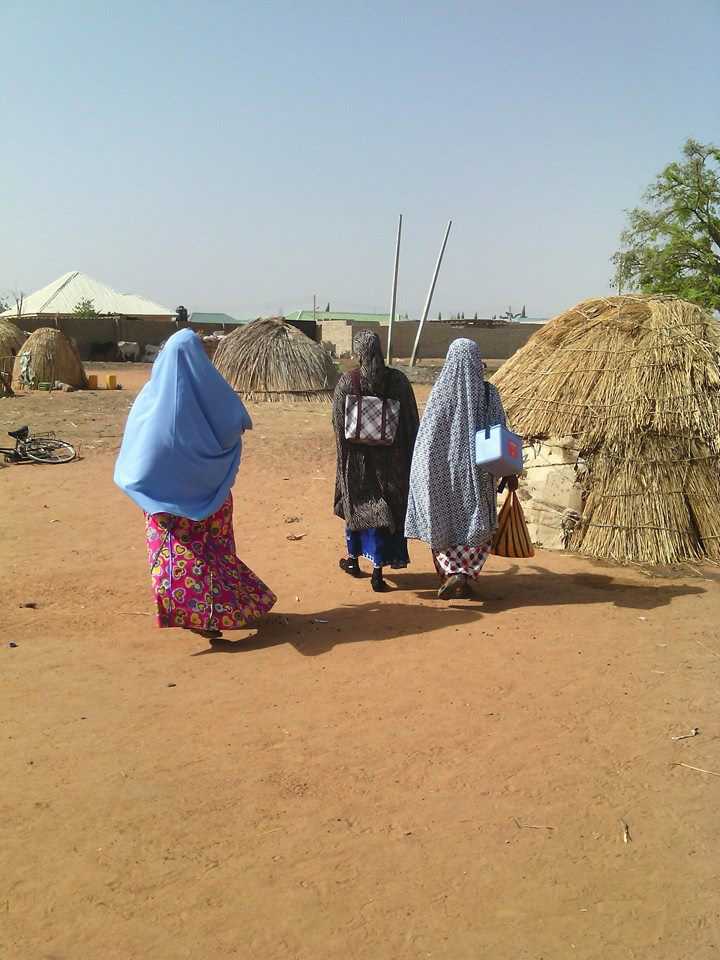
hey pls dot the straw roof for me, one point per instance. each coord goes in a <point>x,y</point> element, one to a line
<point>11,339</point>
<point>273,361</point>
<point>53,358</point>
<point>636,381</point>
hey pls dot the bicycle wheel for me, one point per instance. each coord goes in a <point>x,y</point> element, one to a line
<point>45,450</point>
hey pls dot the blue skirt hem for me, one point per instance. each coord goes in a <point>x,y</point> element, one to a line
<point>379,546</point>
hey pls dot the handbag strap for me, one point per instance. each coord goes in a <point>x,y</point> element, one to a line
<point>486,388</point>
<point>357,388</point>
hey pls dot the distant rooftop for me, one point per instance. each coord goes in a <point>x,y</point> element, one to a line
<point>214,318</point>
<point>320,315</point>
<point>63,295</point>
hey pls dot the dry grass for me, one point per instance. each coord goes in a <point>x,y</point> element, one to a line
<point>272,361</point>
<point>636,380</point>
<point>54,358</point>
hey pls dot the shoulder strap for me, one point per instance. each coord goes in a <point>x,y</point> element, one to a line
<point>357,392</point>
<point>486,388</point>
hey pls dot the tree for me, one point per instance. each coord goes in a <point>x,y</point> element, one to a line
<point>4,304</point>
<point>85,309</point>
<point>672,244</point>
<point>19,298</point>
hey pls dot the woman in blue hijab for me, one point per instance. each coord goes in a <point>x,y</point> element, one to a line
<point>178,461</point>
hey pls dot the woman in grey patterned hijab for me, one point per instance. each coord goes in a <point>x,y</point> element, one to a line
<point>452,504</point>
<point>371,484</point>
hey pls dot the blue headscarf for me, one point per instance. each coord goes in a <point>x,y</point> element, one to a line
<point>183,439</point>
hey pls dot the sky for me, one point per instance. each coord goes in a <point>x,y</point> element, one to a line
<point>245,156</point>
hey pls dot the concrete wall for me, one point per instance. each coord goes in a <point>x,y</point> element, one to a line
<point>497,343</point>
<point>309,327</point>
<point>338,335</point>
<point>86,333</point>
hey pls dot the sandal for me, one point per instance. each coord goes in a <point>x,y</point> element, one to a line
<point>449,589</point>
<point>207,634</point>
<point>350,566</point>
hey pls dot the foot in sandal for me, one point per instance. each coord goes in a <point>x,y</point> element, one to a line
<point>207,634</point>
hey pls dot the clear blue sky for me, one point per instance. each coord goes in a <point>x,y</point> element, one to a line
<point>242,156</point>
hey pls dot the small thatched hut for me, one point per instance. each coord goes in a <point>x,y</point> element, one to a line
<point>271,360</point>
<point>53,358</point>
<point>635,382</point>
<point>11,339</point>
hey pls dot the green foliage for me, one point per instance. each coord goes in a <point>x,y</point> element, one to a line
<point>672,244</point>
<point>85,309</point>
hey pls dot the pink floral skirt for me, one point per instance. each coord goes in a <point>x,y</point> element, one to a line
<point>197,578</point>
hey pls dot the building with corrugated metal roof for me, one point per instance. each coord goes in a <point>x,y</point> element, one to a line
<point>62,297</point>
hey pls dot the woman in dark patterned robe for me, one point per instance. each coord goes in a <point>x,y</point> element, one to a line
<point>372,482</point>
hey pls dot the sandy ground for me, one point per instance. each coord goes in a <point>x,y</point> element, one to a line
<point>365,777</point>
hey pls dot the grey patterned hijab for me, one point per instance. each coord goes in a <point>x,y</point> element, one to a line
<point>368,353</point>
<point>452,500</point>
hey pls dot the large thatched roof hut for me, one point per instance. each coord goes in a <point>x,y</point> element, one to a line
<point>635,382</point>
<point>48,356</point>
<point>271,360</point>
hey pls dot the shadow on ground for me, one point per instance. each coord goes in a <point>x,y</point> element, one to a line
<point>314,634</point>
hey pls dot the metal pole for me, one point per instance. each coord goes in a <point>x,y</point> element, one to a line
<point>314,308</point>
<point>393,301</point>
<point>413,358</point>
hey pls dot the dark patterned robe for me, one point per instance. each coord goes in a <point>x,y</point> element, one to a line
<point>372,483</point>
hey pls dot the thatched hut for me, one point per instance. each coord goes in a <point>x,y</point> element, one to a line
<point>270,360</point>
<point>48,356</point>
<point>635,383</point>
<point>11,340</point>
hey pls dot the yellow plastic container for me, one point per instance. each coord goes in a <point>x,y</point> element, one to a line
<point>111,381</point>
<point>92,381</point>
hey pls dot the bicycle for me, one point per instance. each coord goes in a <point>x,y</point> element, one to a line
<point>29,449</point>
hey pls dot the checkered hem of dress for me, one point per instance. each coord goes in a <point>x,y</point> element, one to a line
<point>462,559</point>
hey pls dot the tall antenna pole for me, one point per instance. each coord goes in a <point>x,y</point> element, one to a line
<point>413,358</point>
<point>393,301</point>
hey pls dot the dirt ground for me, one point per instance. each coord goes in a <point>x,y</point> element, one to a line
<point>365,777</point>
